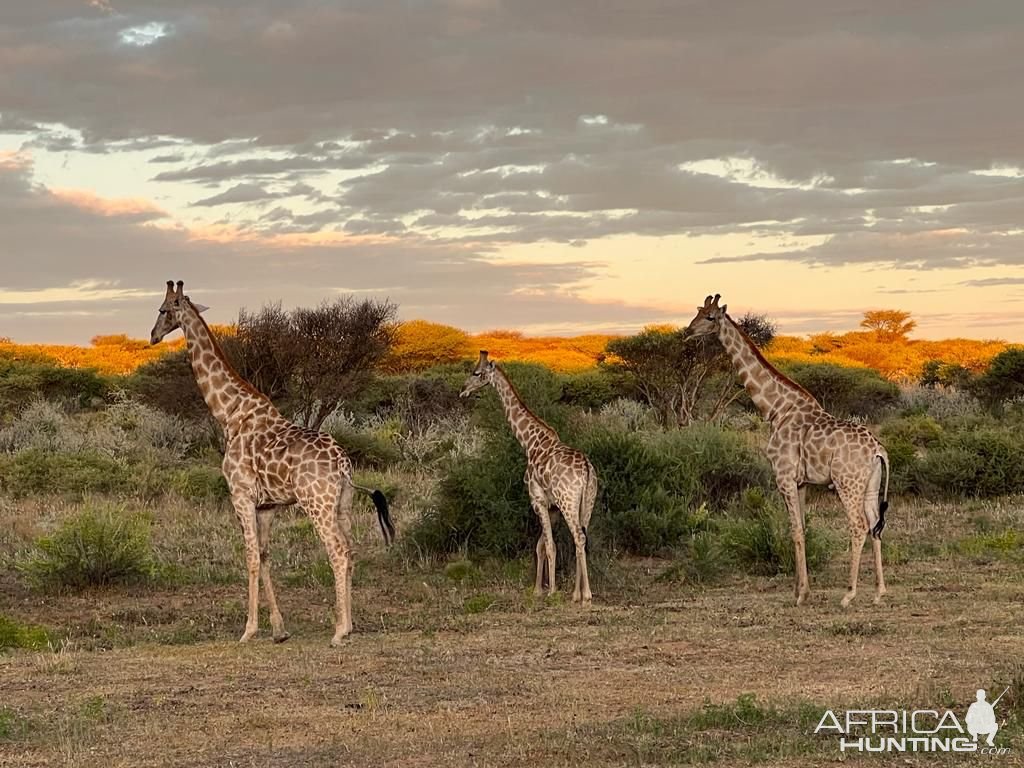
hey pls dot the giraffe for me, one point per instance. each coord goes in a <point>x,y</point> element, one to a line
<point>808,446</point>
<point>269,462</point>
<point>556,476</point>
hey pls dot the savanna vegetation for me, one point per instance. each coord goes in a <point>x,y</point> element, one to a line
<point>121,567</point>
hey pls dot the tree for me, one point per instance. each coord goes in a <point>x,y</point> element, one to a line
<point>888,324</point>
<point>684,381</point>
<point>1004,379</point>
<point>310,360</point>
<point>421,344</point>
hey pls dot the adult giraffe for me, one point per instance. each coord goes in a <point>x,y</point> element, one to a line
<point>808,446</point>
<point>556,476</point>
<point>270,462</point>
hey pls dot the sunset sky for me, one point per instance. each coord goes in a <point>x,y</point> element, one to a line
<point>557,166</point>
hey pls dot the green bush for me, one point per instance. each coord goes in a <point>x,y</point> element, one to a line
<point>845,392</point>
<point>366,448</point>
<point>757,537</point>
<point>711,465</point>
<point>23,381</point>
<point>37,471</point>
<point>201,483</point>
<point>978,462</point>
<point>481,505</point>
<point>637,510</point>
<point>1003,379</point>
<point>97,547</point>
<point>589,389</point>
<point>905,439</point>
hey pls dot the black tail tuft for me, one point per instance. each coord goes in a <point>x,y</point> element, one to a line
<point>586,541</point>
<point>877,530</point>
<point>383,516</point>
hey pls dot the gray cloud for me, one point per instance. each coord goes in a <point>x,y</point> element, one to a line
<point>448,282</point>
<point>459,125</point>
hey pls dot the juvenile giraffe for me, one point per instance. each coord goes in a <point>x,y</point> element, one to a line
<point>556,476</point>
<point>808,446</point>
<point>270,462</point>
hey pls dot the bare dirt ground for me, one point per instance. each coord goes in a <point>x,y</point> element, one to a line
<point>478,673</point>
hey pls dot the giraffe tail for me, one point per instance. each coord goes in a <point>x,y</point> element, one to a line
<point>380,501</point>
<point>883,499</point>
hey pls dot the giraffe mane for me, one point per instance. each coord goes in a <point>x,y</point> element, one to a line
<point>219,352</point>
<point>522,402</point>
<point>774,372</point>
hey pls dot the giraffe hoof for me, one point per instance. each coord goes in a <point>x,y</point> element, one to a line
<point>245,638</point>
<point>878,598</point>
<point>281,637</point>
<point>847,599</point>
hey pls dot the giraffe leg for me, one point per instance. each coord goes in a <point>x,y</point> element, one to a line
<point>791,494</point>
<point>264,520</point>
<point>542,558</point>
<point>245,511</point>
<point>876,545</point>
<point>853,501</point>
<point>343,532</point>
<point>871,513</point>
<point>802,498</point>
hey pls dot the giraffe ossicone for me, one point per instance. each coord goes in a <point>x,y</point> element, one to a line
<point>557,476</point>
<point>269,462</point>
<point>808,446</point>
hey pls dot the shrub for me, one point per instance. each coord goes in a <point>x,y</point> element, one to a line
<point>201,483</point>
<point>711,465</point>
<point>36,471</point>
<point>364,447</point>
<point>589,389</point>
<point>635,510</point>
<point>842,391</point>
<point>481,505</point>
<point>22,381</point>
<point>1004,378</point>
<point>758,539</point>
<point>978,462</point>
<point>97,547</point>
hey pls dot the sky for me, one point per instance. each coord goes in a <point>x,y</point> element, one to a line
<point>556,167</point>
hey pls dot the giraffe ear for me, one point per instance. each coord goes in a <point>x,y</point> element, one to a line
<point>200,308</point>
<point>724,308</point>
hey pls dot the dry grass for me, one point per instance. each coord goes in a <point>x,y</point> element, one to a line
<point>462,666</point>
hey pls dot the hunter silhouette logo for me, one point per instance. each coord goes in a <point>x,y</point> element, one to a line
<point>981,717</point>
<point>919,730</point>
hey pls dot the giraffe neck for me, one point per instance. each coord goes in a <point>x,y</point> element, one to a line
<point>222,388</point>
<point>772,393</point>
<point>531,432</point>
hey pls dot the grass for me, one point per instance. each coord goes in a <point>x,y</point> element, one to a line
<point>680,661</point>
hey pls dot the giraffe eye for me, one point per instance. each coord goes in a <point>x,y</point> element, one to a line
<point>163,311</point>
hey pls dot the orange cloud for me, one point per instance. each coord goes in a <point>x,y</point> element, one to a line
<point>108,206</point>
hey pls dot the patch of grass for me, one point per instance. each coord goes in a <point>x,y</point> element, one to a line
<point>478,603</point>
<point>854,629</point>
<point>201,483</point>
<point>14,634</point>
<point>97,547</point>
<point>13,725</point>
<point>744,731</point>
<point>461,571</point>
<point>758,539</point>
<point>987,547</point>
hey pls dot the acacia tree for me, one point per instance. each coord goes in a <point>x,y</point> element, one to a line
<point>308,361</point>
<point>684,381</point>
<point>888,324</point>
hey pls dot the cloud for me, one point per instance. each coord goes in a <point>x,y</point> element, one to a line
<point>240,193</point>
<point>123,253</point>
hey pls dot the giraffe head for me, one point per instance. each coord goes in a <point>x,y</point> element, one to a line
<point>169,316</point>
<point>708,319</point>
<point>482,375</point>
